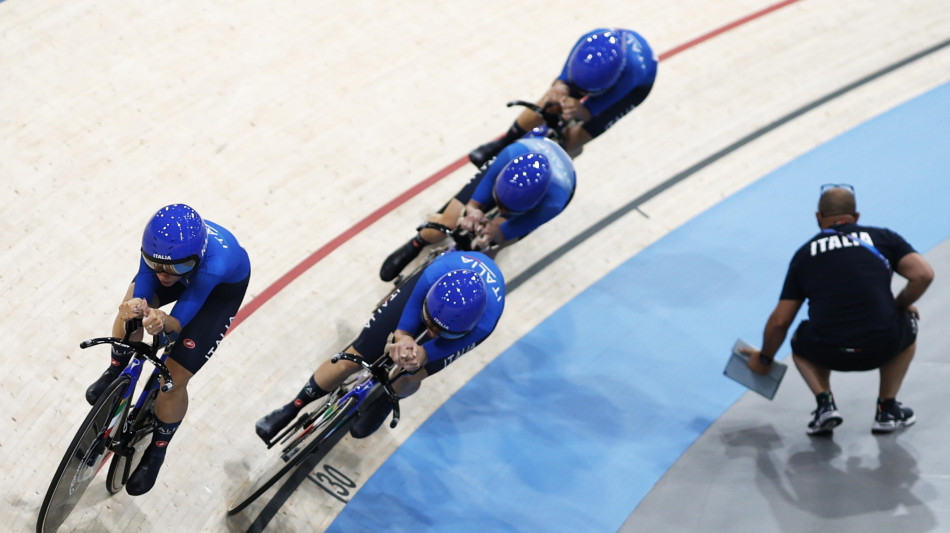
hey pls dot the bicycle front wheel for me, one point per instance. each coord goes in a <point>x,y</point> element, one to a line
<point>85,456</point>
<point>287,455</point>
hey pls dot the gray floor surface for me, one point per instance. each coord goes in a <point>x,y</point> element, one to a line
<point>755,469</point>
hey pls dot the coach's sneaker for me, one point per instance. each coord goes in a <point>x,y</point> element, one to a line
<point>399,259</point>
<point>271,424</point>
<point>827,417</point>
<point>891,415</point>
<point>370,420</point>
<point>143,479</point>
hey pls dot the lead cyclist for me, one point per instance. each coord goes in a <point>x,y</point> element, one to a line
<point>201,267</point>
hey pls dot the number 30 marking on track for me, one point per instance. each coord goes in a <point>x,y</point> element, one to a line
<point>333,482</point>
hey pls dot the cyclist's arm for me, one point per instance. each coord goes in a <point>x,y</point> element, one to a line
<point>482,195</point>
<point>145,281</point>
<point>190,302</point>
<point>439,348</point>
<point>491,233</point>
<point>571,108</point>
<point>523,224</point>
<point>473,218</point>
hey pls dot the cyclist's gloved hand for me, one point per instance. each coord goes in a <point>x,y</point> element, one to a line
<point>481,242</point>
<point>154,321</point>
<point>473,220</point>
<point>406,353</point>
<point>134,308</point>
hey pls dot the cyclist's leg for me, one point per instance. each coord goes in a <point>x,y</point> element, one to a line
<point>327,377</point>
<point>526,121</point>
<point>408,384</point>
<point>170,409</point>
<point>197,342</point>
<point>371,342</point>
<point>373,416</point>
<point>575,137</point>
<point>448,216</point>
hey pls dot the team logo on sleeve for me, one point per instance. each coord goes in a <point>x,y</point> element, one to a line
<point>480,268</point>
<point>188,343</point>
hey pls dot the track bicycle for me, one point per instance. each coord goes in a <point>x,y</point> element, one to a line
<point>115,427</point>
<point>318,429</point>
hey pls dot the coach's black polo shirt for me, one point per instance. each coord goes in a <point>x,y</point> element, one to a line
<point>848,287</point>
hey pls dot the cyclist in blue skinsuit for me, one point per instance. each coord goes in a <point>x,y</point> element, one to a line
<point>531,181</point>
<point>435,317</point>
<point>607,73</point>
<point>200,266</point>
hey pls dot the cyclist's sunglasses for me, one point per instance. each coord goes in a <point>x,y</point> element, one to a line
<point>432,325</point>
<point>828,186</point>
<point>575,92</point>
<point>177,268</point>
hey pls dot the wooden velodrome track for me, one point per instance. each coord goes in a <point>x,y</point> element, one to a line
<point>292,122</point>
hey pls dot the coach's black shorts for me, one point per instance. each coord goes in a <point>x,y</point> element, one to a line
<point>202,335</point>
<point>848,358</point>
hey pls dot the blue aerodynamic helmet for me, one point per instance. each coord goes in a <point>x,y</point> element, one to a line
<point>175,240</point>
<point>597,62</point>
<point>455,303</point>
<point>522,183</point>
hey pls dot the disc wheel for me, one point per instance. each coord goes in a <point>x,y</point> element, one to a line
<point>85,456</point>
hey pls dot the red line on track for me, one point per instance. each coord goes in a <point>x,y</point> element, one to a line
<point>326,249</point>
<point>731,26</point>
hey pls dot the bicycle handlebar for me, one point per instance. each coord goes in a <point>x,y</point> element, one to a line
<point>146,351</point>
<point>380,372</point>
<point>462,237</point>
<point>550,113</point>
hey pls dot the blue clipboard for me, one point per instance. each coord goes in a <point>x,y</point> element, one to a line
<point>738,370</point>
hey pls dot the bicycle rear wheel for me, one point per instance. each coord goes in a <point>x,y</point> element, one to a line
<point>85,456</point>
<point>129,453</point>
<point>328,419</point>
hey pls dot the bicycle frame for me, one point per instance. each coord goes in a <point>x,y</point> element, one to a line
<point>552,119</point>
<point>368,380</point>
<point>314,434</point>
<point>134,371</point>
